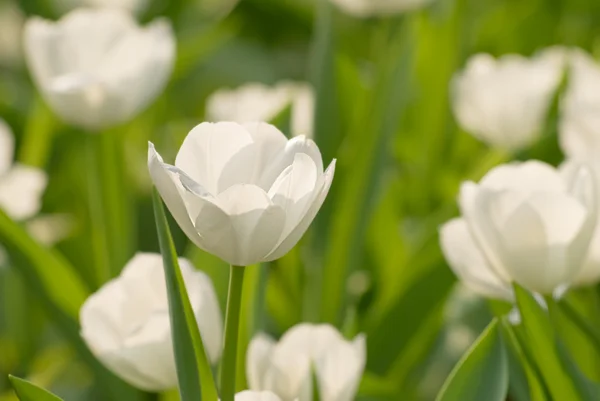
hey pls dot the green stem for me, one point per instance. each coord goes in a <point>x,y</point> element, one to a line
<point>232,325</point>
<point>98,224</point>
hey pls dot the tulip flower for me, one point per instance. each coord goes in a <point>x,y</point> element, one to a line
<point>256,396</point>
<point>524,223</point>
<point>258,102</point>
<point>374,8</point>
<point>126,323</point>
<point>97,68</point>
<point>504,102</point>
<point>21,187</point>
<point>286,368</point>
<point>243,192</point>
<point>579,128</point>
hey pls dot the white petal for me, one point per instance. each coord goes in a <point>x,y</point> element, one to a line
<point>546,240</point>
<point>292,239</point>
<point>208,148</point>
<point>310,339</point>
<point>7,144</point>
<point>469,264</point>
<point>258,359</point>
<point>21,190</point>
<point>295,189</point>
<point>168,185</point>
<point>243,228</point>
<point>256,396</point>
<point>205,304</point>
<point>528,176</point>
<point>299,144</point>
<point>289,374</point>
<point>339,369</point>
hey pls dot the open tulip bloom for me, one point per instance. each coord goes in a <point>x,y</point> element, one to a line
<point>525,223</point>
<point>96,67</point>
<point>243,192</point>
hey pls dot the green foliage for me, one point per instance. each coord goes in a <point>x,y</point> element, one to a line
<point>482,373</point>
<point>28,391</point>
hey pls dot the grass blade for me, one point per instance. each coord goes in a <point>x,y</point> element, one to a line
<point>482,373</point>
<point>27,391</point>
<point>194,373</point>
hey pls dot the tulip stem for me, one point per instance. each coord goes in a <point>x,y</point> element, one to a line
<point>232,325</point>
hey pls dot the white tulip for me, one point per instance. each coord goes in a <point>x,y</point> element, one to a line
<point>286,368</point>
<point>590,272</point>
<point>523,222</point>
<point>259,102</point>
<point>126,323</point>
<point>505,102</point>
<point>243,192</point>
<point>249,395</point>
<point>96,67</point>
<point>579,129</point>
<point>373,8</point>
<point>21,187</point>
<point>133,6</point>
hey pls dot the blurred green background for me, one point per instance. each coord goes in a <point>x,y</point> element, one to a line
<point>371,262</point>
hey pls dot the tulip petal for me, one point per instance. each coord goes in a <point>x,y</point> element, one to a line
<point>469,264</point>
<point>287,243</point>
<point>208,148</point>
<point>289,374</point>
<point>339,369</point>
<point>258,360</point>
<point>299,144</point>
<point>7,144</point>
<point>247,165</point>
<point>206,308</point>
<point>21,190</point>
<point>295,189</point>
<point>256,396</point>
<point>539,237</point>
<point>171,191</point>
<point>529,176</point>
<point>243,228</point>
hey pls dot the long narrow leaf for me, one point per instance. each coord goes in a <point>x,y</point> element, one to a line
<point>27,391</point>
<point>541,340</point>
<point>193,369</point>
<point>482,373</point>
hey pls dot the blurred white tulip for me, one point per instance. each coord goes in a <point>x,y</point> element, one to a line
<point>132,6</point>
<point>505,102</point>
<point>579,129</point>
<point>126,323</point>
<point>286,368</point>
<point>21,187</point>
<point>259,102</point>
<point>243,192</point>
<point>249,395</point>
<point>96,67</point>
<point>11,27</point>
<point>590,272</point>
<point>523,222</point>
<point>374,8</point>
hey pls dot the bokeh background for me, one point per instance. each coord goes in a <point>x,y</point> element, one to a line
<point>371,262</point>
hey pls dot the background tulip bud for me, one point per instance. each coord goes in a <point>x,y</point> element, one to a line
<point>21,187</point>
<point>504,102</point>
<point>258,102</point>
<point>243,192</point>
<point>96,67</point>
<point>286,367</point>
<point>126,323</point>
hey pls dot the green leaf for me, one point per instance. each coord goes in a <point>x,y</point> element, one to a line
<point>542,341</point>
<point>482,373</point>
<point>194,372</point>
<point>58,279</point>
<point>27,391</point>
